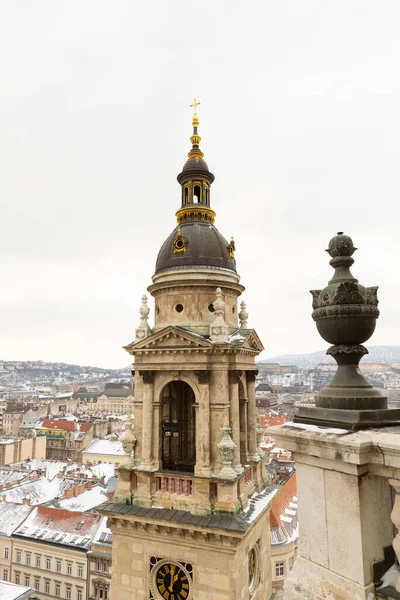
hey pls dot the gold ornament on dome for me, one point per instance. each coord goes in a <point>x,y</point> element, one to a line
<point>179,243</point>
<point>231,248</point>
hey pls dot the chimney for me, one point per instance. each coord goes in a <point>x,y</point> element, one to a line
<point>75,490</point>
<point>4,498</point>
<point>61,472</point>
<point>26,501</point>
<point>88,485</point>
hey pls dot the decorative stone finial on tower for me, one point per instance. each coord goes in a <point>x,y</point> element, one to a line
<point>219,329</point>
<point>243,316</point>
<point>259,434</point>
<point>128,440</point>
<point>226,447</point>
<point>143,330</point>
<point>345,313</point>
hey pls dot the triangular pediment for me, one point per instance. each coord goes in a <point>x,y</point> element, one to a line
<point>170,337</point>
<point>247,339</point>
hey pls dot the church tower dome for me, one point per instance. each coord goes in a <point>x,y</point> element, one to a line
<point>190,518</point>
<point>195,254</point>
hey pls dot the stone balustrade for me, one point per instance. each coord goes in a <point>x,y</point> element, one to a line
<point>174,485</point>
<point>346,485</point>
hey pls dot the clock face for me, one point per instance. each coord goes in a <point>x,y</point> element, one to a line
<point>171,580</point>
<point>254,569</point>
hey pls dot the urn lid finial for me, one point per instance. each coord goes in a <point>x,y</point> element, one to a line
<point>341,245</point>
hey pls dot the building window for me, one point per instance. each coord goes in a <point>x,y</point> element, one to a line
<point>47,587</point>
<point>48,564</point>
<point>38,562</point>
<point>69,569</point>
<point>58,567</point>
<point>37,584</point>
<point>28,559</point>
<point>79,595</point>
<point>5,574</point>
<point>105,567</point>
<point>279,569</point>
<point>80,571</point>
<point>27,580</point>
<point>6,552</point>
<point>58,589</point>
<point>18,556</point>
<point>68,593</point>
<point>17,578</point>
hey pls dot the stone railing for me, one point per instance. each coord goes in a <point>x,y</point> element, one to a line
<point>174,485</point>
<point>348,488</point>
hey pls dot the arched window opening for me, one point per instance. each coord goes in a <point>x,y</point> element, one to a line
<point>207,197</point>
<point>196,194</point>
<point>186,195</point>
<point>178,427</point>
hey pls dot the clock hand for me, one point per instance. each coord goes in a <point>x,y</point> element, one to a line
<point>172,580</point>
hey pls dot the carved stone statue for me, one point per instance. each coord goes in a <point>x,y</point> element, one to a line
<point>219,329</point>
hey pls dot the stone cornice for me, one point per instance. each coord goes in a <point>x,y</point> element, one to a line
<point>188,535</point>
<point>378,450</point>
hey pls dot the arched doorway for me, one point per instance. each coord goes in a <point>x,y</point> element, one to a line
<point>178,427</point>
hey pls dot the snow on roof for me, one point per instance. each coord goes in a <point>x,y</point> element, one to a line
<point>12,591</point>
<point>9,475</point>
<point>58,526</point>
<point>106,470</point>
<point>38,491</point>
<point>88,500</point>
<point>11,516</point>
<point>103,534</point>
<point>110,447</point>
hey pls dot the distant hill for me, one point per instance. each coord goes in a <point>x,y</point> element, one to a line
<point>384,354</point>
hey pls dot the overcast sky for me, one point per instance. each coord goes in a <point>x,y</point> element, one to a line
<point>300,123</point>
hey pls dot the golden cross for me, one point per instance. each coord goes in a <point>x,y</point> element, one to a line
<point>195,105</point>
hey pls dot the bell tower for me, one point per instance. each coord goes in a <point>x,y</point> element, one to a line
<point>191,514</point>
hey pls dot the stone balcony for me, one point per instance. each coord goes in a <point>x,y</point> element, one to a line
<point>349,512</point>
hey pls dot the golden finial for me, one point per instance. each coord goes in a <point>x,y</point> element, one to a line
<point>195,120</point>
<point>179,231</point>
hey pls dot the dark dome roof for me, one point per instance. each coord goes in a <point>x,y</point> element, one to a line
<point>195,163</point>
<point>205,246</point>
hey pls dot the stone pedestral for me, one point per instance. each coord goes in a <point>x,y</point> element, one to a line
<point>344,507</point>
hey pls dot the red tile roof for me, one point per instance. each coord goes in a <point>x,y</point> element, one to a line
<point>64,425</point>
<point>269,420</point>
<point>59,526</point>
<point>282,501</point>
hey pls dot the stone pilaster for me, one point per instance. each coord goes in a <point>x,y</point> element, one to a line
<point>147,420</point>
<point>219,413</point>
<point>252,414</point>
<point>234,378</point>
<point>203,450</point>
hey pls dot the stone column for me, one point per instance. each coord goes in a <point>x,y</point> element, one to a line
<point>203,453</point>
<point>252,414</point>
<point>219,414</point>
<point>244,451</point>
<point>234,378</point>
<point>147,463</point>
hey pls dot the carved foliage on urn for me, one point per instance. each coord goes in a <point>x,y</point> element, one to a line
<point>226,448</point>
<point>219,329</point>
<point>345,311</point>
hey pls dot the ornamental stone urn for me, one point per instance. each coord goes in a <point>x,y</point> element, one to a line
<point>128,440</point>
<point>226,448</point>
<point>345,313</point>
